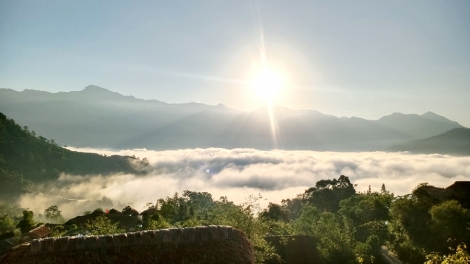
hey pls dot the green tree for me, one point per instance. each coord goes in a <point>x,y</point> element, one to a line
<point>327,194</point>
<point>451,222</point>
<point>53,214</point>
<point>293,206</point>
<point>101,225</point>
<point>275,212</point>
<point>27,223</point>
<point>156,221</point>
<point>244,217</point>
<point>459,256</point>
<point>334,239</point>
<point>7,224</point>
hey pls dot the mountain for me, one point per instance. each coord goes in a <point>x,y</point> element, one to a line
<point>418,126</point>
<point>453,142</point>
<point>25,159</point>
<point>97,117</point>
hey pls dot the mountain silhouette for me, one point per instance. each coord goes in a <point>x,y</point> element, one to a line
<point>453,142</point>
<point>26,158</point>
<point>97,117</point>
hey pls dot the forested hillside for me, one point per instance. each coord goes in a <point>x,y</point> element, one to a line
<point>29,158</point>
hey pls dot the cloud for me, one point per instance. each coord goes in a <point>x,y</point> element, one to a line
<point>237,173</point>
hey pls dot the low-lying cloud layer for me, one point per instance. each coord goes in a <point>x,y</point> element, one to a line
<point>237,173</point>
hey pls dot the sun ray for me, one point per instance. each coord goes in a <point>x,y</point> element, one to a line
<point>267,84</point>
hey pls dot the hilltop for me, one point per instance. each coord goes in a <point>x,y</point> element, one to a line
<point>453,142</point>
<point>26,158</point>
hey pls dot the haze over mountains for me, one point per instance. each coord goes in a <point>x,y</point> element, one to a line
<point>99,118</point>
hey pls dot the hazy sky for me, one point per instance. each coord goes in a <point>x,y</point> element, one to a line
<point>347,58</point>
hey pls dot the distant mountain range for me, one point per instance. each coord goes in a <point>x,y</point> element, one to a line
<point>97,117</point>
<point>455,142</point>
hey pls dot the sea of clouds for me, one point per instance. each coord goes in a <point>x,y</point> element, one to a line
<point>238,173</point>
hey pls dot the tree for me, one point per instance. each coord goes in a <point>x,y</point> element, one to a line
<point>54,214</point>
<point>275,212</point>
<point>450,222</point>
<point>383,190</point>
<point>293,206</point>
<point>27,223</point>
<point>459,256</point>
<point>334,240</point>
<point>7,224</point>
<point>101,225</point>
<point>156,221</point>
<point>243,217</point>
<point>327,194</point>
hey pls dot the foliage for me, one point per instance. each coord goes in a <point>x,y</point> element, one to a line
<point>293,206</point>
<point>156,221</point>
<point>57,231</point>
<point>27,223</point>
<point>26,158</point>
<point>9,216</point>
<point>334,240</point>
<point>7,224</point>
<point>450,221</point>
<point>244,217</point>
<point>101,225</point>
<point>275,212</point>
<point>425,222</point>
<point>348,227</point>
<point>459,256</point>
<point>327,194</point>
<point>53,214</point>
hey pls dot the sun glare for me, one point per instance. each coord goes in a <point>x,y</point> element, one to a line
<point>267,85</point>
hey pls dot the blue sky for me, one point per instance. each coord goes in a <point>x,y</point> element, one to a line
<point>346,58</point>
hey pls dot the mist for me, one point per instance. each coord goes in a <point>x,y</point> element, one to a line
<point>238,173</point>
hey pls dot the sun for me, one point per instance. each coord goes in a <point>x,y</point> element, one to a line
<point>267,85</point>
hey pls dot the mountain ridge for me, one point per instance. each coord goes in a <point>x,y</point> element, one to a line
<point>452,142</point>
<point>98,117</point>
<point>26,158</point>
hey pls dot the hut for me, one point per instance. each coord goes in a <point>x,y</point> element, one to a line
<point>147,214</point>
<point>114,212</point>
<point>38,232</point>
<point>83,219</point>
<point>207,244</point>
<point>130,211</point>
<point>461,191</point>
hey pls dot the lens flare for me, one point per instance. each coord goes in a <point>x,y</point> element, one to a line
<point>267,85</point>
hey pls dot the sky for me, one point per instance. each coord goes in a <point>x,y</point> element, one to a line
<point>345,58</point>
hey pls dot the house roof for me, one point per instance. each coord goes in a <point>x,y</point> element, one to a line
<point>204,244</point>
<point>38,232</point>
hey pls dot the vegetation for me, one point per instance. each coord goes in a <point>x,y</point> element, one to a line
<point>101,225</point>
<point>27,223</point>
<point>26,158</point>
<point>460,256</point>
<point>348,227</point>
<point>53,214</point>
